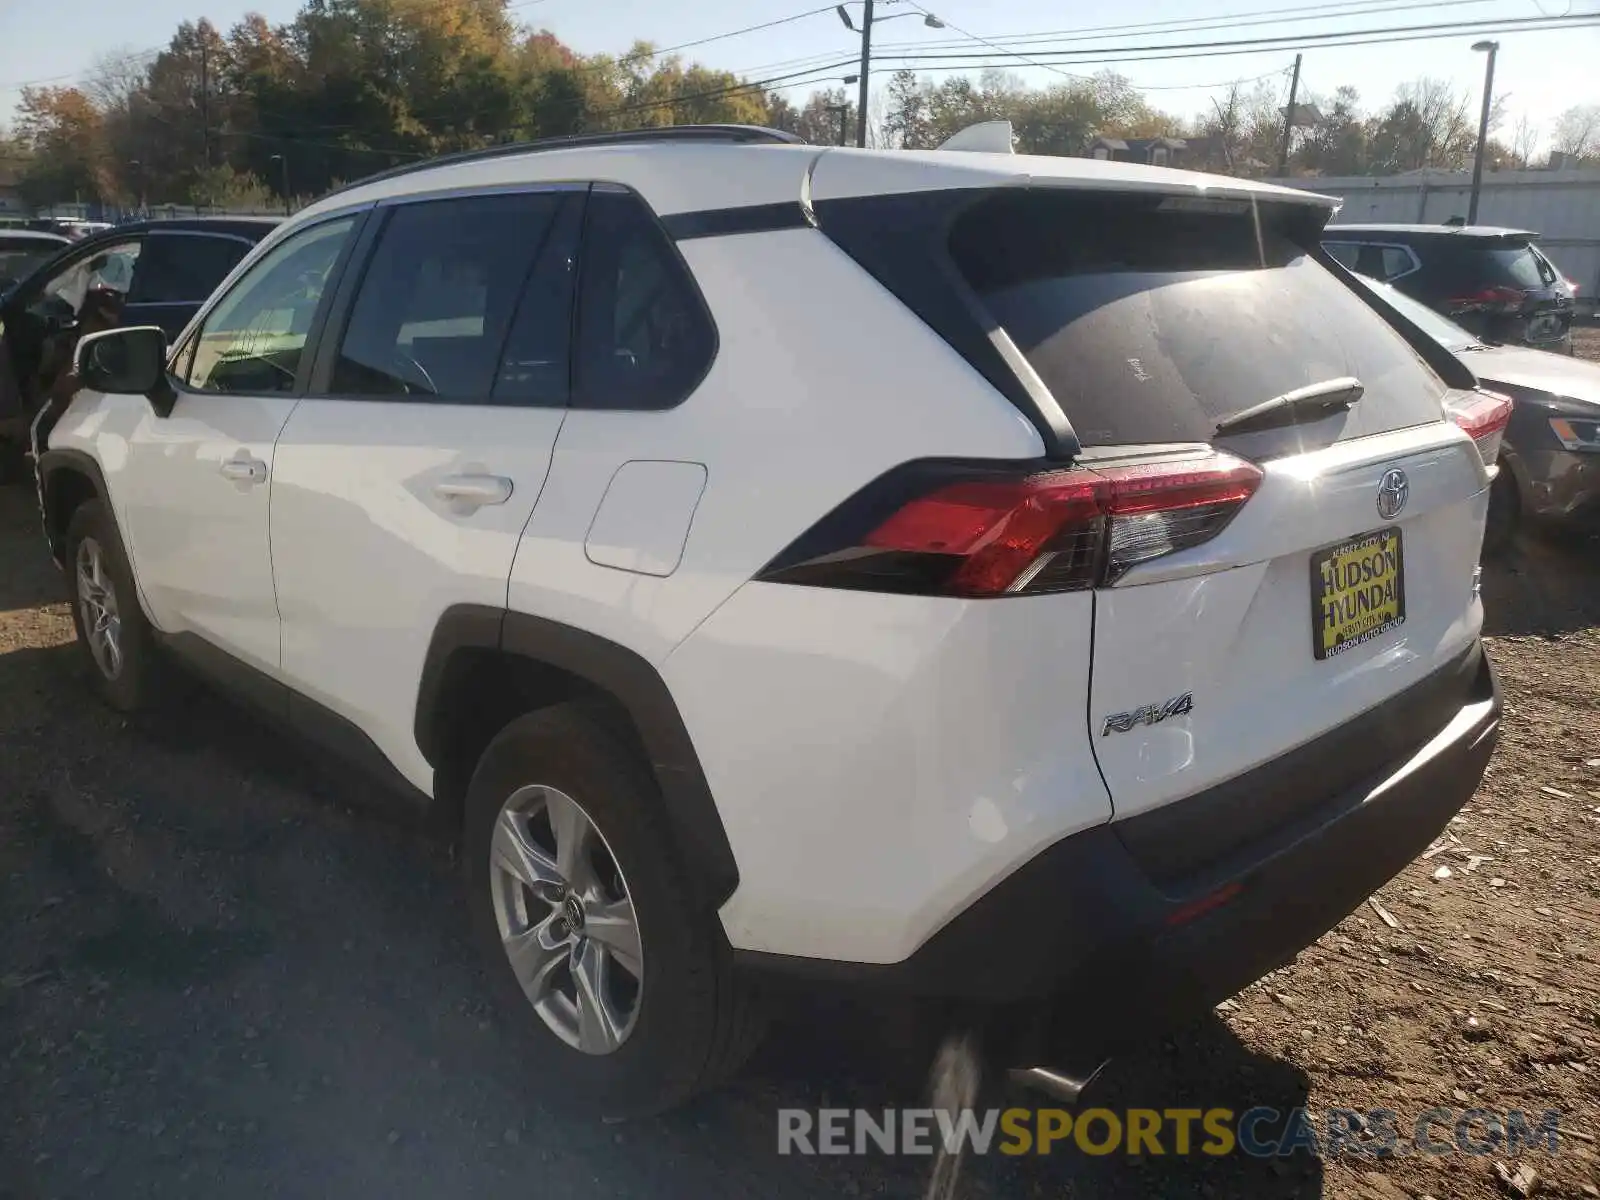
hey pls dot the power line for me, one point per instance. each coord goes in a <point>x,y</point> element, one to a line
<point>1144,58</point>
<point>732,33</point>
<point>1268,16</point>
<point>1291,41</point>
<point>1200,87</point>
<point>1014,54</point>
<point>1086,33</point>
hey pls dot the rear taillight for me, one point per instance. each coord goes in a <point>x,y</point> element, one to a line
<point>1489,299</point>
<point>1484,415</point>
<point>987,535</point>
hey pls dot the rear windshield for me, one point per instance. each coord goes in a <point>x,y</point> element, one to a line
<point>1518,266</point>
<point>1151,318</point>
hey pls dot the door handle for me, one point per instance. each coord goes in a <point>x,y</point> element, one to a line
<point>241,468</point>
<point>473,491</point>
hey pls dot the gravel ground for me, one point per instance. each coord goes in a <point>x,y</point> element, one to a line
<point>224,973</point>
<point>1586,341</point>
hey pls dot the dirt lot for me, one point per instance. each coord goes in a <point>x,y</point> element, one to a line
<point>1586,341</point>
<point>222,975</point>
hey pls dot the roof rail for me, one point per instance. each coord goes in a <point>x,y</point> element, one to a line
<point>754,134</point>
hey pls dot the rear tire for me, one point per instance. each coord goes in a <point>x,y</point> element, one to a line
<point>1505,514</point>
<point>115,638</point>
<point>673,1019</point>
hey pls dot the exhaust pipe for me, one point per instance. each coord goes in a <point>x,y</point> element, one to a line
<point>1057,1084</point>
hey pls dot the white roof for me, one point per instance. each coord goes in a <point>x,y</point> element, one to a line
<point>865,172</point>
<point>677,177</point>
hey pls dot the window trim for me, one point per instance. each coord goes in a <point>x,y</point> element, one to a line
<point>359,215</point>
<point>344,298</point>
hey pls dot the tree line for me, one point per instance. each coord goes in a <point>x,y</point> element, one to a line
<point>261,113</point>
<point>1426,124</point>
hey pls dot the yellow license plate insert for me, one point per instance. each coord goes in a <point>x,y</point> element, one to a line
<point>1358,592</point>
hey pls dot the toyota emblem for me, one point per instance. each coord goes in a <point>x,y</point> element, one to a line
<point>1393,489</point>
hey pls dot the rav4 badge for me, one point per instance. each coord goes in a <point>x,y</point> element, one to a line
<point>1148,714</point>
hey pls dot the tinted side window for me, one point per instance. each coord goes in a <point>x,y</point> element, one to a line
<point>1344,252</point>
<point>252,341</point>
<point>1369,262</point>
<point>644,336</point>
<point>454,284</point>
<point>183,268</point>
<point>1396,262</point>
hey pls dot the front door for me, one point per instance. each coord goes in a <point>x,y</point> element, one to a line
<point>404,478</point>
<point>193,492</point>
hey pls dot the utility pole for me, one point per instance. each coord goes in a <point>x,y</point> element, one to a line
<point>866,66</point>
<point>1288,120</point>
<point>1492,48</point>
<point>842,111</point>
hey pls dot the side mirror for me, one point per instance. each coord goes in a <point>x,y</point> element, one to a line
<point>128,362</point>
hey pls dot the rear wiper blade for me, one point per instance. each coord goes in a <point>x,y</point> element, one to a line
<point>1293,408</point>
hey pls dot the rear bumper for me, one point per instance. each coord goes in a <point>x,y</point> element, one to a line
<point>1116,954</point>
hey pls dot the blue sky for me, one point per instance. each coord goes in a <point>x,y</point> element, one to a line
<point>1540,72</point>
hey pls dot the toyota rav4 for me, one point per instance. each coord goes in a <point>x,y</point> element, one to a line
<point>1038,584</point>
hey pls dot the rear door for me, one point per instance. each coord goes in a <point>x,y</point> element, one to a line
<point>405,476</point>
<point>1347,577</point>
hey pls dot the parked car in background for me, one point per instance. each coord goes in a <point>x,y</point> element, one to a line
<point>21,252</point>
<point>1493,282</point>
<point>148,273</point>
<point>1550,454</point>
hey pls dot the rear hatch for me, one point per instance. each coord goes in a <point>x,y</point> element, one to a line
<point>1238,627</point>
<point>1512,289</point>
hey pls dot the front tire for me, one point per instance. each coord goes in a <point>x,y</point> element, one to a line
<point>618,980</point>
<point>112,630</point>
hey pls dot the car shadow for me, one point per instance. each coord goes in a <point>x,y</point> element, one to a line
<point>28,578</point>
<point>1546,584</point>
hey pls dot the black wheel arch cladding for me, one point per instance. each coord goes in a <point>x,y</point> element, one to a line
<point>613,671</point>
<point>58,470</point>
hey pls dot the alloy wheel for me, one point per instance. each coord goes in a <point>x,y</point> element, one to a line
<point>97,605</point>
<point>566,919</point>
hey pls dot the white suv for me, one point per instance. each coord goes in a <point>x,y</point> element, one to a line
<point>1043,584</point>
